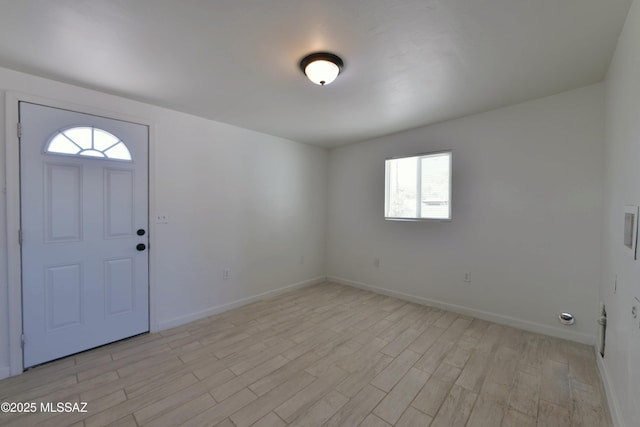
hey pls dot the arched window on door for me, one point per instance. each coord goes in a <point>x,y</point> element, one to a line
<point>88,142</point>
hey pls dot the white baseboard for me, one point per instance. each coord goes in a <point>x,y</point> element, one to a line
<point>484,315</point>
<point>610,392</point>
<point>5,372</point>
<point>191,317</point>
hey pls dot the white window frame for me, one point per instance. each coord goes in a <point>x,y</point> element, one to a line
<point>418,158</point>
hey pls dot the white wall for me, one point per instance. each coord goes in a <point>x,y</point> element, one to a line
<point>237,199</point>
<point>527,203</point>
<point>622,186</point>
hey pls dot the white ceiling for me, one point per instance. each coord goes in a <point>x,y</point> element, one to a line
<point>408,63</point>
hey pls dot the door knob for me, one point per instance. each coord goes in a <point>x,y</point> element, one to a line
<point>141,247</point>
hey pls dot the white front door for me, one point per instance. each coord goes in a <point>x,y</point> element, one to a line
<point>84,221</point>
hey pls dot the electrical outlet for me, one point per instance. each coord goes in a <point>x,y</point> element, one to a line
<point>376,262</point>
<point>467,277</point>
<point>226,274</point>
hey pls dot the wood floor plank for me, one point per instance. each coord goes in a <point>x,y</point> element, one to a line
<point>554,385</point>
<point>473,374</point>
<point>323,355</point>
<point>131,405</point>
<point>302,400</point>
<point>182,413</point>
<point>445,320</point>
<point>477,328</point>
<point>270,420</point>
<point>386,379</point>
<point>34,393</point>
<point>582,364</point>
<point>322,410</point>
<point>363,356</point>
<point>556,350</point>
<point>432,395</point>
<point>503,367</point>
<point>447,372</point>
<point>426,339</point>
<point>459,355</point>
<point>399,312</point>
<point>311,344</point>
<point>587,405</point>
<point>148,412</point>
<point>357,409</point>
<point>514,339</point>
<point>128,421</point>
<point>373,421</point>
<point>241,364</point>
<point>490,338</point>
<point>433,315</point>
<point>456,408</point>
<point>371,319</point>
<point>104,403</point>
<point>550,415</point>
<point>235,384</point>
<point>362,376</point>
<point>37,377</point>
<point>142,359</point>
<point>513,418</point>
<point>16,418</point>
<point>432,358</point>
<point>399,398</point>
<point>525,394</point>
<point>487,411</point>
<point>266,403</point>
<point>342,351</point>
<point>455,330</point>
<point>533,356</point>
<point>413,418</point>
<point>401,342</point>
<point>279,376</point>
<point>148,385</point>
<point>219,413</point>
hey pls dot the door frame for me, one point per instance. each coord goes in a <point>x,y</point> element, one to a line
<point>14,255</point>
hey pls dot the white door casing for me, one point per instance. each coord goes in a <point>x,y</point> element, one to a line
<point>84,278</point>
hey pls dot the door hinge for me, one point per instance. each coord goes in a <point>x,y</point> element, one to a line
<point>20,237</point>
<point>22,341</point>
<point>19,130</point>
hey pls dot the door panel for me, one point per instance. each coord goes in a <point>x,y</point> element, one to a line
<point>118,203</point>
<point>63,296</point>
<point>84,282</point>
<point>119,287</point>
<point>63,208</point>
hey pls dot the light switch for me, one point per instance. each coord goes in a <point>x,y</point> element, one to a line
<point>162,218</point>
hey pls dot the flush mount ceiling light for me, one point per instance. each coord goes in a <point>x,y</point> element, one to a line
<point>321,67</point>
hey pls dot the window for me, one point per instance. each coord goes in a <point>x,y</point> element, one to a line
<point>418,187</point>
<point>88,142</point>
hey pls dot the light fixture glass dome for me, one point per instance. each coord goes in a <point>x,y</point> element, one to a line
<point>322,72</point>
<point>321,68</point>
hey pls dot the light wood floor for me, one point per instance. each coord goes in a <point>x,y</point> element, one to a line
<point>325,355</point>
